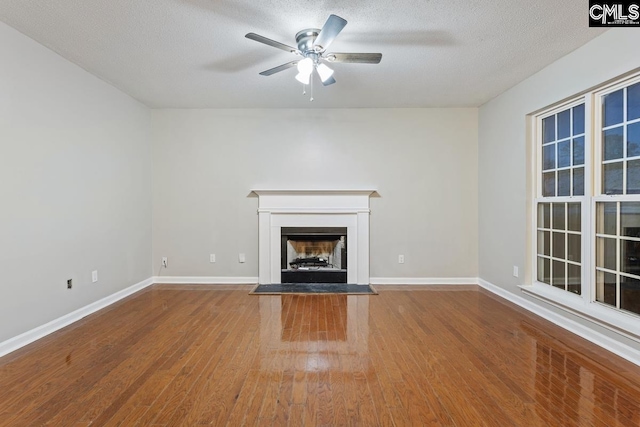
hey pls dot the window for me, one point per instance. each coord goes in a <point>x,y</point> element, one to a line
<point>563,153</point>
<point>560,202</point>
<point>620,127</point>
<point>559,245</point>
<point>586,224</point>
<point>617,201</point>
<point>618,255</point>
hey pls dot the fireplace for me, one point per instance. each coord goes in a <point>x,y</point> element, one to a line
<point>308,210</point>
<point>313,254</point>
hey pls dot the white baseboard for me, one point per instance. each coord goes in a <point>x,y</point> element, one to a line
<point>224,280</point>
<point>205,280</point>
<point>424,280</point>
<point>41,331</point>
<point>610,344</point>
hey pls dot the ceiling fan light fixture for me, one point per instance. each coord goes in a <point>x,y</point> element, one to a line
<point>324,72</point>
<point>305,66</point>
<point>303,78</point>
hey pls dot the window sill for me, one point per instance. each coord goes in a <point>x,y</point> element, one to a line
<point>613,319</point>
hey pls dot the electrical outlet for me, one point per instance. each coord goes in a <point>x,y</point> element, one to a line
<point>94,276</point>
<point>212,258</point>
<point>241,258</point>
<point>165,262</point>
<point>515,271</point>
<point>400,259</point>
<point>69,283</point>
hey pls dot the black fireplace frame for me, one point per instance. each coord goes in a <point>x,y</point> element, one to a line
<point>313,275</point>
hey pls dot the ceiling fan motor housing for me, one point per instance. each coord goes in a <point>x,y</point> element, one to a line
<point>305,39</point>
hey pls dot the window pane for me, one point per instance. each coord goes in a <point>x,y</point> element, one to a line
<point>606,218</point>
<point>578,151</point>
<point>633,140</point>
<point>578,119</point>
<point>606,253</point>
<point>612,108</point>
<point>558,245</point>
<point>544,215</point>
<point>578,182</point>
<point>633,177</point>
<point>630,294</point>
<point>573,217</point>
<point>564,182</point>
<point>558,216</point>
<point>574,279</point>
<point>633,102</point>
<point>544,243</point>
<point>564,124</point>
<point>612,178</point>
<point>549,157</point>
<point>549,184</point>
<point>606,287</point>
<point>630,257</point>
<point>564,154</point>
<point>573,247</point>
<point>558,274</point>
<point>613,146</point>
<point>544,270</point>
<point>549,129</point>
<point>630,219</point>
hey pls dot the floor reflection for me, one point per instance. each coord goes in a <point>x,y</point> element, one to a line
<point>578,391</point>
<point>313,333</point>
<point>333,325</point>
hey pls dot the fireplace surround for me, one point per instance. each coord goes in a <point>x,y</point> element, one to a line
<point>313,208</point>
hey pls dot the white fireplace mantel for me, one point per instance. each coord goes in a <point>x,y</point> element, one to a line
<point>313,208</point>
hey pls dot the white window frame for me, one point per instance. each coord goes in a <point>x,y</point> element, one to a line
<point>597,137</point>
<point>598,195</point>
<point>584,305</point>
<point>585,262</point>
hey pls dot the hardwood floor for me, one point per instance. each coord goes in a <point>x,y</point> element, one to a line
<point>214,355</point>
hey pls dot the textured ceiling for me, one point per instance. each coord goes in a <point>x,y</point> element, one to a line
<point>193,53</point>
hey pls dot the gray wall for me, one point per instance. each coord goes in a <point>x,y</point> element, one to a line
<point>502,147</point>
<point>75,186</point>
<point>423,162</point>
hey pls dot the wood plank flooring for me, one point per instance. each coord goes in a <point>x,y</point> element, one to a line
<point>214,355</point>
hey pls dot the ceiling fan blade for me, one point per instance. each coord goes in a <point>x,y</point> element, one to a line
<point>269,42</point>
<point>279,68</point>
<point>331,29</point>
<point>355,58</point>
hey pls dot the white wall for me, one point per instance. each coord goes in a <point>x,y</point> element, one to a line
<point>423,162</point>
<point>75,186</point>
<point>502,147</point>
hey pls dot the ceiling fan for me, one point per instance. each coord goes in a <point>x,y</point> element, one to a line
<point>312,47</point>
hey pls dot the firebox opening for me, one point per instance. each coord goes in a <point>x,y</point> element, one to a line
<point>314,255</point>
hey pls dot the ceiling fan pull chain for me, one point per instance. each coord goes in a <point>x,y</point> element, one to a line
<point>311,88</point>
<point>304,89</point>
